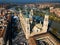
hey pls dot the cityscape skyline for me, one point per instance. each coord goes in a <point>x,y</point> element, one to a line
<point>29,1</point>
<point>29,22</point>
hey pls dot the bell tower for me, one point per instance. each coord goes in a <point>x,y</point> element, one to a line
<point>31,16</point>
<point>45,23</point>
<point>27,23</point>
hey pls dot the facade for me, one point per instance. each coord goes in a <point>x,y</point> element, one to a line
<point>37,28</point>
<point>45,23</point>
<point>37,31</point>
<point>39,34</point>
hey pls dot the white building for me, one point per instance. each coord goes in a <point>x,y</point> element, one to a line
<point>37,29</point>
<point>45,24</point>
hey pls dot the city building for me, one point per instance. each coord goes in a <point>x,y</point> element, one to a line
<point>3,26</point>
<point>39,34</point>
<point>55,10</point>
<point>28,20</point>
<point>43,39</point>
<point>51,9</point>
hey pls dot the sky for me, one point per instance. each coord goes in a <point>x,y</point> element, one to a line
<point>27,1</point>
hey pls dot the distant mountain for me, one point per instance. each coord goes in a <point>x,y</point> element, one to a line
<point>29,1</point>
